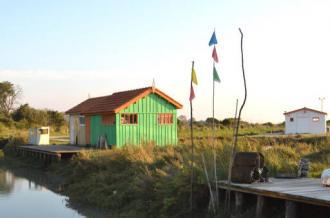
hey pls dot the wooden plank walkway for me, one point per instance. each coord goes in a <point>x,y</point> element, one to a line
<point>53,148</point>
<point>49,152</point>
<point>305,190</point>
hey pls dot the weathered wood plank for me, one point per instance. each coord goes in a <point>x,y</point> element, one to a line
<point>46,151</point>
<point>306,190</point>
<point>52,148</point>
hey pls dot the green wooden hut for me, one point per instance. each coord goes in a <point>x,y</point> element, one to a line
<point>128,117</point>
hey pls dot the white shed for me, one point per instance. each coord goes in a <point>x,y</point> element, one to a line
<point>305,120</point>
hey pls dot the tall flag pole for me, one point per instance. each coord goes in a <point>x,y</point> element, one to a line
<point>213,41</point>
<point>191,97</point>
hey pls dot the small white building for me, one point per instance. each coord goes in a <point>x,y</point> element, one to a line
<point>305,120</point>
<point>39,136</point>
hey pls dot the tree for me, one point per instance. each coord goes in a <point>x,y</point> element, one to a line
<point>23,112</point>
<point>55,118</point>
<point>183,118</point>
<point>38,117</point>
<point>209,120</point>
<point>9,95</point>
<point>228,122</point>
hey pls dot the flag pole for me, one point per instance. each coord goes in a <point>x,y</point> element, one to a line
<point>213,145</point>
<point>192,144</point>
<point>213,41</point>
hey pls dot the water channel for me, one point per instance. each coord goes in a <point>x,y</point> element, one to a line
<point>23,194</point>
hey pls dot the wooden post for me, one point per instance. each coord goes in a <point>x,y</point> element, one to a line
<point>260,206</point>
<point>238,202</point>
<point>192,141</point>
<point>58,157</point>
<point>290,209</point>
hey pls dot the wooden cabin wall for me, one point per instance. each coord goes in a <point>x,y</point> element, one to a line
<point>147,129</point>
<point>98,128</point>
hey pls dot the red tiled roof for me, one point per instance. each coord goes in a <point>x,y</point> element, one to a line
<point>117,101</point>
<point>306,109</point>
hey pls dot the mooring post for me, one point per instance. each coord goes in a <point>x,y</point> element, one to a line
<point>238,202</point>
<point>290,209</point>
<point>260,206</point>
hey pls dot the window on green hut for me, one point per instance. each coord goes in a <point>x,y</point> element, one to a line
<point>165,118</point>
<point>129,119</point>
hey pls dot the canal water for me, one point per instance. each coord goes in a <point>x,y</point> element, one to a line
<point>22,197</point>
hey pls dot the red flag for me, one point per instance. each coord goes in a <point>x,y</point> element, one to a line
<point>215,55</point>
<point>192,93</point>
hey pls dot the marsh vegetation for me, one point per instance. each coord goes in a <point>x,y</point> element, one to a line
<point>151,181</point>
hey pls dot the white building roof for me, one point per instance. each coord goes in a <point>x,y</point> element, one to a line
<point>305,109</point>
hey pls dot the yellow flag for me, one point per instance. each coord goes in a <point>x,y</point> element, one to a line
<point>194,77</point>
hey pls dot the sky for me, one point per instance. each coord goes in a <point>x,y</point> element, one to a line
<point>60,52</point>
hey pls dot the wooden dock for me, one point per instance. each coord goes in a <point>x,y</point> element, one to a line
<point>304,191</point>
<point>49,152</point>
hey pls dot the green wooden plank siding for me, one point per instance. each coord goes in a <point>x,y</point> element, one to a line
<point>97,129</point>
<point>147,128</point>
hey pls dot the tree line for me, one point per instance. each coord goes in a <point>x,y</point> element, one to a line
<point>23,115</point>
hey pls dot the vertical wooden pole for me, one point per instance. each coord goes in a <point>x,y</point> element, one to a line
<point>209,184</point>
<point>239,114</point>
<point>260,206</point>
<point>238,202</point>
<point>214,151</point>
<point>58,157</point>
<point>290,209</point>
<point>227,198</point>
<point>192,145</point>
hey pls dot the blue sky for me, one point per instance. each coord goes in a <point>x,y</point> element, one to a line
<point>60,52</point>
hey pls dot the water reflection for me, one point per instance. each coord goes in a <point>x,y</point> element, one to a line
<point>25,193</point>
<point>6,182</point>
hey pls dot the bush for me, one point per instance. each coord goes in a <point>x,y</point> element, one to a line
<point>22,124</point>
<point>12,143</point>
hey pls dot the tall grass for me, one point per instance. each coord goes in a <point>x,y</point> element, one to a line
<point>152,181</point>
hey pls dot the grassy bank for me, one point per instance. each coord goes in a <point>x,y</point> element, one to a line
<point>150,181</point>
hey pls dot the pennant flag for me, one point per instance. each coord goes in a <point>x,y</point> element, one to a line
<point>213,40</point>
<point>192,93</point>
<point>215,55</point>
<point>193,76</point>
<point>216,77</point>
